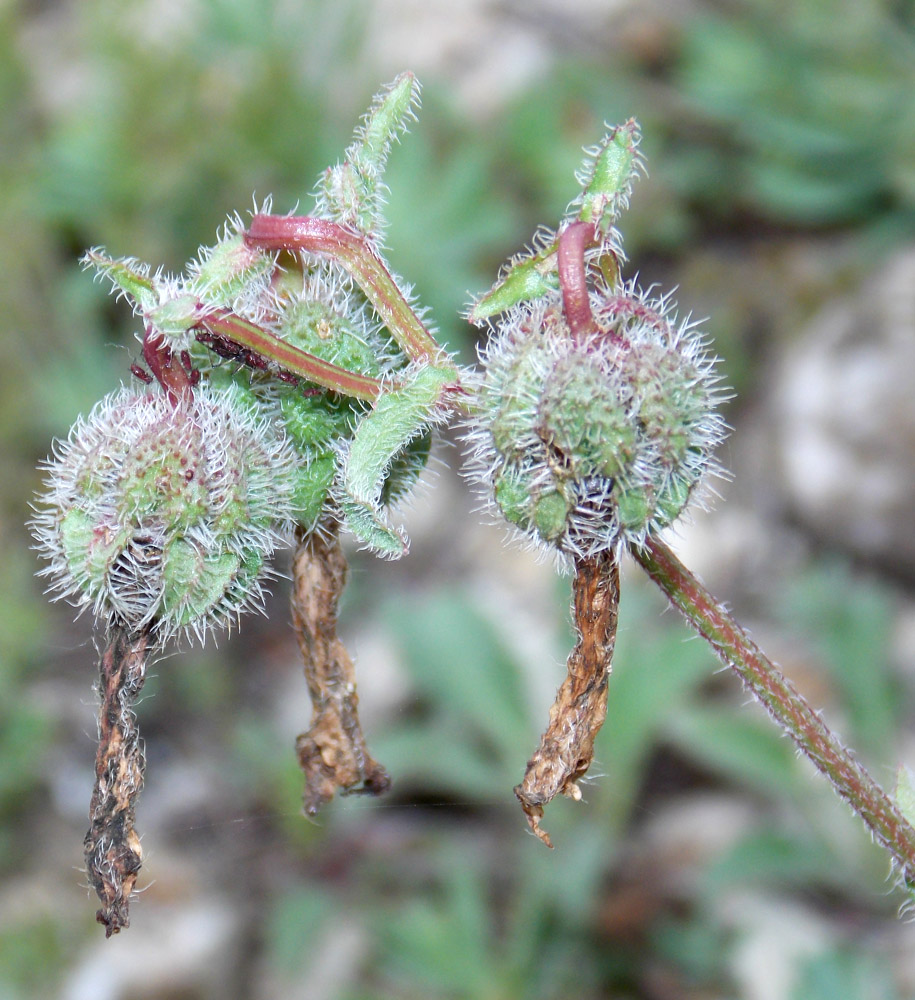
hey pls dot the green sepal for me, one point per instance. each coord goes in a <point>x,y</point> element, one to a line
<point>353,191</point>
<point>127,274</point>
<point>398,417</point>
<point>194,581</point>
<point>607,176</point>
<point>550,514</point>
<point>175,316</point>
<point>89,552</point>
<point>525,279</point>
<point>513,490</point>
<point>225,270</point>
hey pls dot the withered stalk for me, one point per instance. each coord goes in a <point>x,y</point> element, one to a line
<point>333,753</point>
<point>567,747</point>
<point>112,847</point>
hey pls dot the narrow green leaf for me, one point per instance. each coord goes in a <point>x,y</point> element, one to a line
<point>391,109</point>
<point>607,176</point>
<point>397,418</point>
<point>129,275</point>
<point>352,192</point>
<point>525,279</point>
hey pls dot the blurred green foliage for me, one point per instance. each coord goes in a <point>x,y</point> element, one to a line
<point>761,117</point>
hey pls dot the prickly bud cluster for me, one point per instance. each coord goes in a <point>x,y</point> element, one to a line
<point>583,441</point>
<point>163,514</point>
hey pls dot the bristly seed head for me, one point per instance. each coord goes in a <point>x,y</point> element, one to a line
<point>585,442</point>
<point>165,515</point>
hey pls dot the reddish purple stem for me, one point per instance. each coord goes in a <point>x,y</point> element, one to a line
<point>355,253</point>
<point>573,280</point>
<point>174,378</point>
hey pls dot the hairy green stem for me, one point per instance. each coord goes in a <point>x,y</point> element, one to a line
<point>782,701</point>
<point>321,236</point>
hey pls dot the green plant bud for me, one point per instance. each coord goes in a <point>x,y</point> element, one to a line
<point>585,440</point>
<point>314,421</point>
<point>589,427</point>
<point>517,412</point>
<point>312,481</point>
<point>164,514</point>
<point>325,330</point>
<point>225,272</point>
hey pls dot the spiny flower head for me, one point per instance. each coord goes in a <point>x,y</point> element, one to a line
<point>162,513</point>
<point>585,441</point>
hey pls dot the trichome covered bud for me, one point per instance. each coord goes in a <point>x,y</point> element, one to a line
<point>586,439</point>
<point>162,514</point>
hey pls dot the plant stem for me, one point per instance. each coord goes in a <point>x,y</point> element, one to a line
<point>165,367</point>
<point>783,702</point>
<point>333,753</point>
<point>112,847</point>
<point>267,345</point>
<point>576,304</point>
<point>576,716</point>
<point>353,251</point>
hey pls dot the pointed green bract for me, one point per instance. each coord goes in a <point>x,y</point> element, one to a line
<point>397,418</point>
<point>391,109</point>
<point>128,275</point>
<point>353,191</point>
<point>525,279</point>
<point>606,179</point>
<point>607,176</point>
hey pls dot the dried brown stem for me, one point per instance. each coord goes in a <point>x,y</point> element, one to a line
<point>333,753</point>
<point>112,847</point>
<point>567,747</point>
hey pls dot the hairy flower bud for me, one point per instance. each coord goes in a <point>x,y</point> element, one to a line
<point>582,441</point>
<point>161,514</point>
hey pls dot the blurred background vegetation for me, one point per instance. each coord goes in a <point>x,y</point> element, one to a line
<point>707,861</point>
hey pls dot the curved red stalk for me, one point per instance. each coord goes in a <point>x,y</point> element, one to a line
<point>353,251</point>
<point>573,280</point>
<point>174,378</point>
